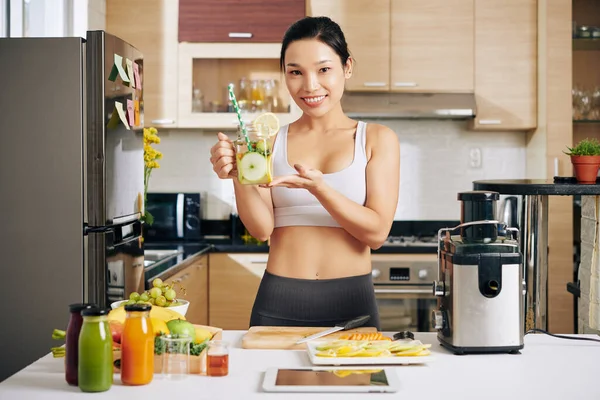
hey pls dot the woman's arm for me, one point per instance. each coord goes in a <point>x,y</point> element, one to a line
<point>372,222</point>
<point>255,209</point>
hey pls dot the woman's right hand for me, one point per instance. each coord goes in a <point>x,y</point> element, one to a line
<point>222,157</point>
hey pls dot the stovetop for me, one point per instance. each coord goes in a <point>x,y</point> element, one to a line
<point>411,241</point>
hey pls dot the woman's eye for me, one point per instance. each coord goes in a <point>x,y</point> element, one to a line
<point>325,69</point>
<point>295,72</point>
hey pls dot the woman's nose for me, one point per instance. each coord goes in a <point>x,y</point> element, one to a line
<point>311,83</point>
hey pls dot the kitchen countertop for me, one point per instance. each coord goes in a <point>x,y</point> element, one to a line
<point>562,187</point>
<point>547,368</point>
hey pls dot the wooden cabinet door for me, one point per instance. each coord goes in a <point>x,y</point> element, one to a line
<point>237,21</point>
<point>151,27</point>
<point>432,45</point>
<point>506,64</point>
<point>194,279</point>
<point>234,281</point>
<point>366,26</point>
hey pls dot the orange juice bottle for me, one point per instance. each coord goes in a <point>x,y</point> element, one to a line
<point>137,346</point>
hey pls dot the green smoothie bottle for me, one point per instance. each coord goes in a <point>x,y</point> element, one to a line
<point>95,366</point>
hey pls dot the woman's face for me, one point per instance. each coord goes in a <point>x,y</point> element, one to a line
<point>314,76</point>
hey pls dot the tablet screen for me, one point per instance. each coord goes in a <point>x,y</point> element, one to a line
<point>338,377</point>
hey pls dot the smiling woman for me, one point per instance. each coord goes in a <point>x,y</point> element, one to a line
<point>333,195</point>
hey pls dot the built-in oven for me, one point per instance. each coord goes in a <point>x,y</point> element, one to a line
<point>403,289</point>
<point>174,217</point>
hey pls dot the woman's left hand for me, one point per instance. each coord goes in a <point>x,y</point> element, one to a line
<point>307,178</point>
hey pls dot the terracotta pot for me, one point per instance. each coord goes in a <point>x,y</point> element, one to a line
<point>586,168</point>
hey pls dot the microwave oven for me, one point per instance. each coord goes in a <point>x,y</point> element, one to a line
<point>176,217</point>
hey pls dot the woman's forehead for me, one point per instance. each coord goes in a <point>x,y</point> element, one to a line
<point>309,52</point>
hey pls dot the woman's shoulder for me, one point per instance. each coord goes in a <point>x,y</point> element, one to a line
<point>380,135</point>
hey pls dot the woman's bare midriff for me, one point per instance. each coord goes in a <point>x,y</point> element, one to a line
<point>314,252</point>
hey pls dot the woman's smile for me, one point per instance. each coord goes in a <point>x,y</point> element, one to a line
<point>314,101</point>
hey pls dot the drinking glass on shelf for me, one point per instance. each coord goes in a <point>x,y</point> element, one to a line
<point>244,95</point>
<point>176,356</point>
<point>217,358</point>
<point>257,95</point>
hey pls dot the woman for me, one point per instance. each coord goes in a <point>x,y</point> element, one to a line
<point>337,202</point>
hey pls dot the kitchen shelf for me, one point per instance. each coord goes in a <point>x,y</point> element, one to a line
<point>586,44</point>
<point>210,67</point>
<point>226,121</point>
<point>586,121</point>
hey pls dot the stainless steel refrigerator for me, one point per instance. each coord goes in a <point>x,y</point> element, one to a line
<point>71,173</point>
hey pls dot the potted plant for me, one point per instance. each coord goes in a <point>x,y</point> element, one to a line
<point>585,158</point>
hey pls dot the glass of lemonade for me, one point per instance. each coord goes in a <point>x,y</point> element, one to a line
<point>253,161</point>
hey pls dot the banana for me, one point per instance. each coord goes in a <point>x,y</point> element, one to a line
<point>119,314</point>
<point>165,314</point>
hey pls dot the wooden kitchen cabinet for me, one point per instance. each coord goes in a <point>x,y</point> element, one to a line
<point>406,45</point>
<point>506,64</point>
<point>234,281</point>
<point>193,277</point>
<point>366,26</point>
<point>432,45</point>
<point>151,27</point>
<point>262,21</point>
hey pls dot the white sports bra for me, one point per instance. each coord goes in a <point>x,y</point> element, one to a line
<point>298,206</point>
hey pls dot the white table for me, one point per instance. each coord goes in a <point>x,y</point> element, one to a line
<point>548,368</point>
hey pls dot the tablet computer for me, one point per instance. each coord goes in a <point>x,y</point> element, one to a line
<point>321,380</point>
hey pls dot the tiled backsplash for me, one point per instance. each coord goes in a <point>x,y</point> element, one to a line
<point>435,166</point>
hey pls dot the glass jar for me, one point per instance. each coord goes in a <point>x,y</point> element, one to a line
<point>271,96</point>
<point>253,155</point>
<point>137,346</point>
<point>72,341</point>
<point>95,359</point>
<point>257,95</point>
<point>243,96</point>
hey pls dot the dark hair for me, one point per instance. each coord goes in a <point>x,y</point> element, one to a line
<point>320,28</point>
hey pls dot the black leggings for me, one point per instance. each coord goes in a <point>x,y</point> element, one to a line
<point>282,301</point>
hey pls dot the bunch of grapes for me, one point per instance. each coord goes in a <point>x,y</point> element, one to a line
<point>161,295</point>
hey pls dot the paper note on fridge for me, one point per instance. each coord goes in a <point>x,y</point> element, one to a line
<point>118,114</point>
<point>117,69</point>
<point>130,116</point>
<point>136,74</point>
<point>129,65</point>
<point>136,112</point>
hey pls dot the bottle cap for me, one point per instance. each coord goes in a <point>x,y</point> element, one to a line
<point>138,307</point>
<point>94,312</point>
<point>78,307</point>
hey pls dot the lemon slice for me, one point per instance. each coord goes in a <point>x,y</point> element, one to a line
<point>267,119</point>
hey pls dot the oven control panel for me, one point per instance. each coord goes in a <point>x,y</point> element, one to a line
<point>399,274</point>
<point>401,270</point>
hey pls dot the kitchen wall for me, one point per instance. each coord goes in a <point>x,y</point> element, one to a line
<point>438,159</point>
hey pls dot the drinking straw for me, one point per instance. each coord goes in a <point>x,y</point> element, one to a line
<point>239,114</point>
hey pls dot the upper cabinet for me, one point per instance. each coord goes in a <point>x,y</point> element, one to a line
<point>406,45</point>
<point>506,64</point>
<point>432,45</point>
<point>237,21</point>
<point>153,31</point>
<point>366,26</point>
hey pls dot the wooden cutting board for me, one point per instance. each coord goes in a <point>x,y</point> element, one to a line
<point>285,337</point>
